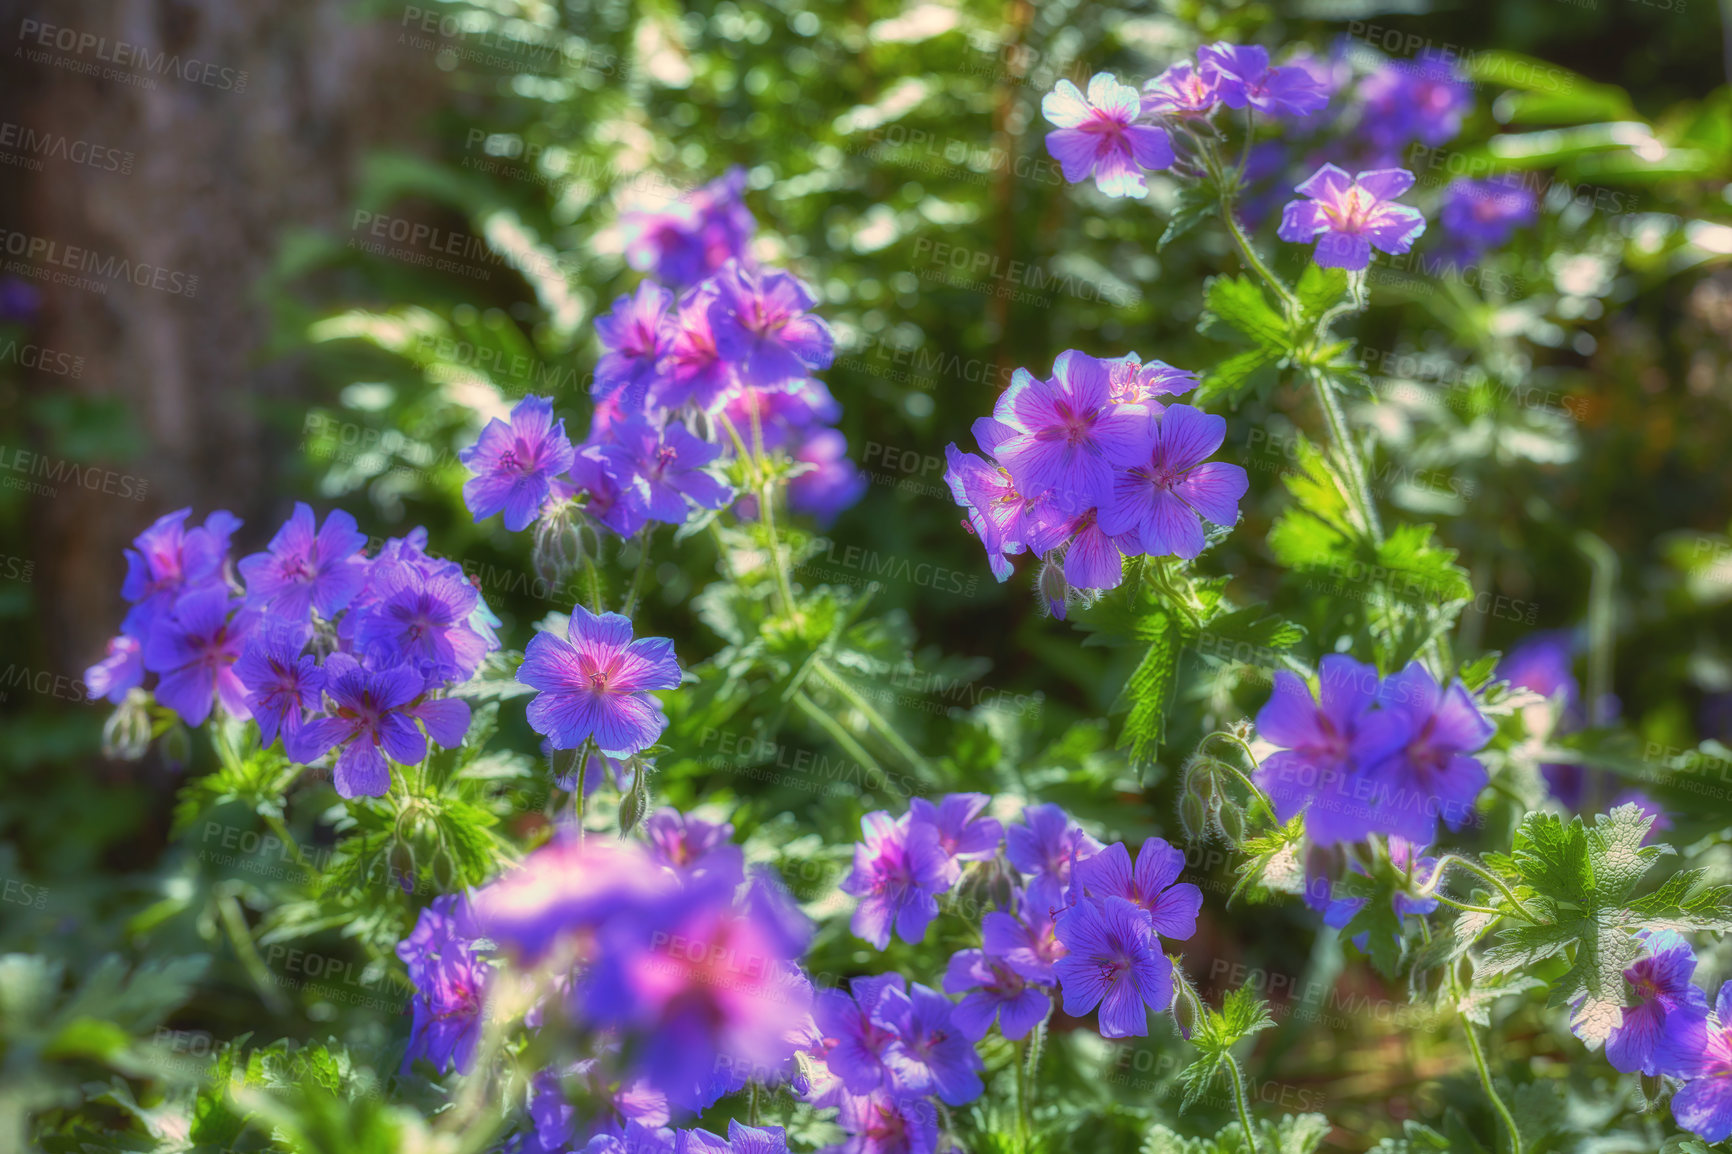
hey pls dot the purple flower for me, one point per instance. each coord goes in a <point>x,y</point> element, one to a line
<point>606,1106</point>
<point>514,464</point>
<point>884,1123</point>
<point>1006,522</point>
<point>1043,847</point>
<point>1165,485</point>
<point>1182,90</point>
<point>1666,1003</point>
<point>693,369</point>
<point>1171,909</point>
<point>694,237</point>
<point>596,682</point>
<point>450,980</point>
<point>1242,76</point>
<point>1423,99</point>
<point>613,497</point>
<point>422,619</point>
<point>740,1140</point>
<point>761,323</point>
<point>120,670</point>
<point>374,715</point>
<point>963,834</point>
<point>284,686</point>
<point>635,338</point>
<point>855,1041</point>
<point>1098,136</point>
<point>1326,744</point>
<point>831,485</point>
<point>1431,774</point>
<point>1352,214</point>
<point>691,846</point>
<point>168,559</point>
<point>670,467</point>
<point>899,870</point>
<point>1542,662</point>
<point>929,1055</point>
<point>305,569</point>
<point>993,991</point>
<point>1064,433</point>
<point>1700,1052</point>
<point>698,981</point>
<point>1113,961</point>
<point>1478,215</point>
<point>564,891</point>
<point>194,649</point>
<point>1339,911</point>
<point>1025,942</point>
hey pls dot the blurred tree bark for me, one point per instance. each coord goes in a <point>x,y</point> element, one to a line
<point>222,167</point>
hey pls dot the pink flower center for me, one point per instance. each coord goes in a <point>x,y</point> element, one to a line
<point>1352,211</point>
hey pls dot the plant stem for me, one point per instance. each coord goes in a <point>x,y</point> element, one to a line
<point>241,938</point>
<point>1515,1138</point>
<point>578,798</point>
<point>1429,889</point>
<point>875,719</point>
<point>1359,490</point>
<point>594,577</point>
<point>1255,262</point>
<point>637,576</point>
<point>277,827</point>
<point>1238,1080</point>
<point>850,745</point>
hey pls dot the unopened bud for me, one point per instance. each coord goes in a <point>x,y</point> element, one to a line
<point>1054,589</point>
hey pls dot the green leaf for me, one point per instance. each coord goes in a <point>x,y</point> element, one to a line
<point>1235,308</point>
<point>1150,690</point>
<point>1578,882</point>
<point>1196,205</point>
<point>1319,290</point>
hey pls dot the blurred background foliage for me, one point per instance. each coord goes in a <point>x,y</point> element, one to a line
<point>1561,417</point>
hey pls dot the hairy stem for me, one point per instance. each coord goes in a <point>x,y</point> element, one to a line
<point>1358,488</point>
<point>1238,1081</point>
<point>1497,1103</point>
<point>873,718</point>
<point>638,574</point>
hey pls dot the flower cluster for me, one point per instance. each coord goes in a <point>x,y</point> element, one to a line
<point>1103,134</point>
<point>1370,755</point>
<point>671,970</point>
<point>1079,918</point>
<point>1089,467</point>
<point>319,644</point>
<point>731,346</point>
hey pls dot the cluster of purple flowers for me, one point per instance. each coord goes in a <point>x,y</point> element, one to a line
<point>1080,919</point>
<point>1103,134</point>
<point>731,344</point>
<point>1091,467</point>
<point>1372,755</point>
<point>674,971</point>
<point>318,643</point>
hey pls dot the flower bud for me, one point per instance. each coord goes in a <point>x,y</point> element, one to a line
<point>1054,589</point>
<point>126,733</point>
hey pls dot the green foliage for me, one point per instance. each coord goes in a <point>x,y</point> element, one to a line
<point>1578,885</point>
<point>1292,1134</point>
<point>1216,1032</point>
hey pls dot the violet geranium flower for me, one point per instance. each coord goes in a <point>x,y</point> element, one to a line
<point>929,1055</point>
<point>635,338</point>
<point>1351,215</point>
<point>1700,1052</point>
<point>762,323</point>
<point>194,649</point>
<point>306,568</point>
<point>1065,432</point>
<point>1043,847</point>
<point>374,714</point>
<point>855,1040</point>
<point>1182,90</point>
<point>1114,962</point>
<point>1433,773</point>
<point>120,670</point>
<point>596,682</point>
<point>514,464</point>
<point>1243,77</point>
<point>451,980</point>
<point>1165,483</point>
<point>900,868</point>
<point>670,465</point>
<point>963,833</point>
<point>283,684</point>
<point>1478,215</point>
<point>992,991</point>
<point>1097,135</point>
<point>1666,1002</point>
<point>1327,743</point>
<point>1153,886</point>
<point>169,559</point>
